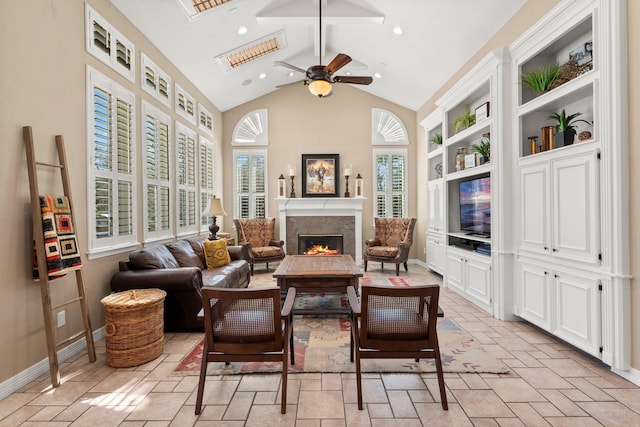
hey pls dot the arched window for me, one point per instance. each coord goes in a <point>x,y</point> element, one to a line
<point>252,129</point>
<point>387,128</point>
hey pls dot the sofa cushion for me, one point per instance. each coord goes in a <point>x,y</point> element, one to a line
<point>154,256</point>
<point>197,244</point>
<point>216,254</point>
<point>184,254</point>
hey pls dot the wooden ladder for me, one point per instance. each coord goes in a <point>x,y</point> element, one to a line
<point>38,236</point>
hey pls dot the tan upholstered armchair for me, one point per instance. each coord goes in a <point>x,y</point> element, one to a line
<point>257,235</point>
<point>392,242</point>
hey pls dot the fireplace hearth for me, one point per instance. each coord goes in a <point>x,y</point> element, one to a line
<point>320,244</point>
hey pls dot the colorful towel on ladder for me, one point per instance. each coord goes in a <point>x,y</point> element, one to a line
<point>60,243</point>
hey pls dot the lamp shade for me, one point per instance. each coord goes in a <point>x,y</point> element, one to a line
<point>215,207</point>
<point>320,88</point>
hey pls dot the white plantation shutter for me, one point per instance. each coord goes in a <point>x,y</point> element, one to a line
<point>206,120</point>
<point>185,104</point>
<point>155,81</point>
<point>112,147</point>
<point>186,174</point>
<point>390,186</point>
<point>206,180</point>
<point>157,173</point>
<point>250,183</point>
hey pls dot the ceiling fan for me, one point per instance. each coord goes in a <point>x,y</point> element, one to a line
<point>320,78</point>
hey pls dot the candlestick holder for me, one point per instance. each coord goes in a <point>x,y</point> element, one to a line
<point>346,192</point>
<point>293,193</point>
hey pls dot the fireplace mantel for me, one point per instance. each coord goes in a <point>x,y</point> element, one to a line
<point>323,206</point>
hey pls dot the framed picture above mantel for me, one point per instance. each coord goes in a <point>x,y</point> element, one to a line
<point>320,175</point>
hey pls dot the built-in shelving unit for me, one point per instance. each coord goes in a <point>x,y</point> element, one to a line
<point>567,198</point>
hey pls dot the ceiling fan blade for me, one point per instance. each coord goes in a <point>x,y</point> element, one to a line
<point>358,80</point>
<point>338,62</point>
<point>289,66</point>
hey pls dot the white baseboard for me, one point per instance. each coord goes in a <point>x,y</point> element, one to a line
<point>34,372</point>
<point>632,375</point>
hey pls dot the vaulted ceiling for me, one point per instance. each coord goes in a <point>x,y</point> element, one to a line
<point>437,38</point>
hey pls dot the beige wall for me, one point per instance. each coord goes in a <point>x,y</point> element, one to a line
<point>42,84</point>
<point>300,123</point>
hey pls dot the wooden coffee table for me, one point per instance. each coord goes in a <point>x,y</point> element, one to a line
<point>318,273</point>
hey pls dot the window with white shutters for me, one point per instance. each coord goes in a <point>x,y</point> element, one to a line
<point>185,104</point>
<point>157,173</point>
<point>155,81</point>
<point>206,120</point>
<point>111,147</point>
<point>206,180</point>
<point>250,184</point>
<point>390,183</point>
<point>186,156</point>
<point>104,42</point>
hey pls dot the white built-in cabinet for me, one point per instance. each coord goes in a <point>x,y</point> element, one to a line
<point>571,271</point>
<point>559,245</point>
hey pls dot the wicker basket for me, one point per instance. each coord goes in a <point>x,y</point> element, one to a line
<point>134,326</point>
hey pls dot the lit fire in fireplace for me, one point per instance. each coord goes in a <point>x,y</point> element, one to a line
<point>321,250</point>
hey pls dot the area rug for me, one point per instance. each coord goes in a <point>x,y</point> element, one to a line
<point>321,344</point>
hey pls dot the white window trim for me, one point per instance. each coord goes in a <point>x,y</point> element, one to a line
<point>158,74</point>
<point>205,192</point>
<point>109,59</point>
<point>252,129</point>
<point>208,118</point>
<point>180,92</point>
<point>189,133</point>
<point>387,128</point>
<point>157,235</point>
<point>390,152</point>
<point>116,244</point>
<point>252,194</point>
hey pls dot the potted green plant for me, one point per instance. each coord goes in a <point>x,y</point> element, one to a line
<point>483,148</point>
<point>540,80</point>
<point>436,139</point>
<point>465,122</point>
<point>565,127</point>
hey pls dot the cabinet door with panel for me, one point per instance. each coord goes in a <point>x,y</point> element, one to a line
<point>436,206</point>
<point>577,310</point>
<point>535,208</point>
<point>469,274</point>
<point>435,253</point>
<point>535,295</point>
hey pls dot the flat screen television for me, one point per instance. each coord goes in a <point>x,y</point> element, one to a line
<point>475,206</point>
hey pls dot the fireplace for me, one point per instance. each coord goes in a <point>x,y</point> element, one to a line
<point>320,244</point>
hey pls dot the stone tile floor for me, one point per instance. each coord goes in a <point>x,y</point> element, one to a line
<point>549,384</point>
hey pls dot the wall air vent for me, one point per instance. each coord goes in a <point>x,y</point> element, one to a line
<point>252,51</point>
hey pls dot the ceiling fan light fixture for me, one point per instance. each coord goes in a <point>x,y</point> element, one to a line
<point>320,88</point>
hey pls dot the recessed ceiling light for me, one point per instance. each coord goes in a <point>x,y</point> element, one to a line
<point>246,82</point>
<point>242,30</point>
<point>377,75</point>
<point>397,30</point>
<point>348,73</point>
<point>262,75</point>
<point>291,73</point>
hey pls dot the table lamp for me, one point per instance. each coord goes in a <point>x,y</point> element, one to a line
<point>215,209</point>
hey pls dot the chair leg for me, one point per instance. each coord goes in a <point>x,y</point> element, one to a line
<point>358,375</point>
<point>267,266</point>
<point>291,349</point>
<point>382,266</point>
<point>443,393</point>
<point>406,267</point>
<point>365,265</point>
<point>285,369</point>
<point>203,377</point>
<point>397,269</point>
<point>252,269</point>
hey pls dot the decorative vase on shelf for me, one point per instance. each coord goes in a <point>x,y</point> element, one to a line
<point>462,151</point>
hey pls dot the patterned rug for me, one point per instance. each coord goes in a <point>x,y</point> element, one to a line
<point>321,344</point>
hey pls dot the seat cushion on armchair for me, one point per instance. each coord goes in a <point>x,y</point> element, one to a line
<point>184,254</point>
<point>267,251</point>
<point>152,257</point>
<point>383,251</point>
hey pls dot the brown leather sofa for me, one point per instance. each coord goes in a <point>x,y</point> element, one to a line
<point>179,268</point>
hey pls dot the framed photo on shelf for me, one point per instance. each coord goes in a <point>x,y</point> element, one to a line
<point>482,112</point>
<point>320,175</point>
<point>469,161</point>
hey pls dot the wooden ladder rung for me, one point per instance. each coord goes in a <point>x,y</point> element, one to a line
<point>51,165</point>
<point>66,303</point>
<point>71,338</point>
